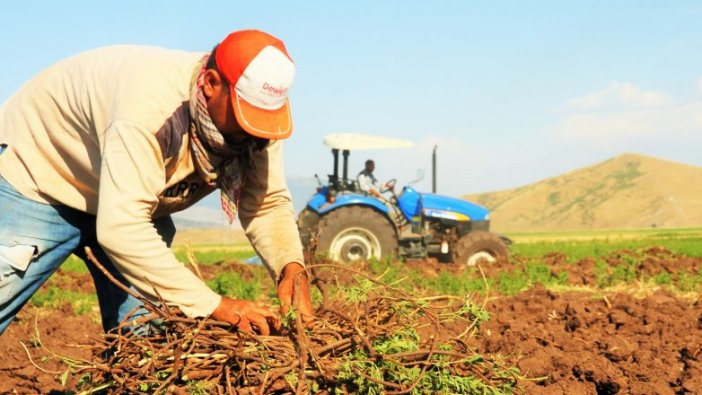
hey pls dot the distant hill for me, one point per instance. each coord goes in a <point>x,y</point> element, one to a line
<point>205,214</point>
<point>208,214</point>
<point>628,191</point>
<point>182,222</point>
<point>301,190</point>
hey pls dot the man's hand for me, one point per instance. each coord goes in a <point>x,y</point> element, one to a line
<point>286,291</point>
<point>246,316</point>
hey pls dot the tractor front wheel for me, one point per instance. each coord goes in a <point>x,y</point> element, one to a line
<point>356,233</point>
<point>479,246</point>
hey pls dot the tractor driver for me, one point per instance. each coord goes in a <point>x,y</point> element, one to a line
<point>367,181</point>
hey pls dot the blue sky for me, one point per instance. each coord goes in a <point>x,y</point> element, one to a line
<point>512,92</point>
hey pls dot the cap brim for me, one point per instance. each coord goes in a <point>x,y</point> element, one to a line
<point>267,124</point>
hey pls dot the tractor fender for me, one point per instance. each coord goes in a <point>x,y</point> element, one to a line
<point>353,200</point>
<point>318,200</point>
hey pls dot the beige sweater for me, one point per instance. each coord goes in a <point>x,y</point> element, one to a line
<point>105,132</point>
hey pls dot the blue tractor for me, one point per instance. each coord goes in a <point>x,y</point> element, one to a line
<point>351,225</point>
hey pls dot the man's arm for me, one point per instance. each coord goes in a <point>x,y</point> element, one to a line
<point>131,177</point>
<point>366,184</point>
<point>267,214</point>
<point>268,218</point>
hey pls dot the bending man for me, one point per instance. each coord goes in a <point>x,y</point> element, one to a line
<point>99,149</point>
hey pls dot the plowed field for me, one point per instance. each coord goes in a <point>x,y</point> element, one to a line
<point>632,339</point>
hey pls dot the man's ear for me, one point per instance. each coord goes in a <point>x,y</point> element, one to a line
<point>212,83</point>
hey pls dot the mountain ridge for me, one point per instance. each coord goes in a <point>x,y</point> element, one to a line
<point>628,191</point>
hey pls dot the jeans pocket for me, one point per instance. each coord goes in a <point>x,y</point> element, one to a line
<point>14,261</point>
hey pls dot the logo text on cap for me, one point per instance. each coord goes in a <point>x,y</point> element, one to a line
<point>273,90</point>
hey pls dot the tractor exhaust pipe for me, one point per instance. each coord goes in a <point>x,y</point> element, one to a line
<point>346,165</point>
<point>433,170</point>
<point>335,152</point>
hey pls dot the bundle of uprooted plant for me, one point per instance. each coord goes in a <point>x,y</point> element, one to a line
<point>367,337</point>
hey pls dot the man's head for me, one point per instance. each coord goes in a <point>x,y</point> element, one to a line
<point>370,165</point>
<point>246,87</point>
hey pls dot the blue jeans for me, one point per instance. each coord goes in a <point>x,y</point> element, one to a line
<point>35,238</point>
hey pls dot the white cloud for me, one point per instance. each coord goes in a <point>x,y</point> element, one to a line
<point>699,85</point>
<point>608,127</point>
<point>621,95</point>
<point>623,112</point>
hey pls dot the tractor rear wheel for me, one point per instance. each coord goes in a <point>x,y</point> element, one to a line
<point>307,225</point>
<point>356,233</point>
<point>479,246</point>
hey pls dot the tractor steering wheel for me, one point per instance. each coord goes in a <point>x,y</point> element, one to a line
<point>389,186</point>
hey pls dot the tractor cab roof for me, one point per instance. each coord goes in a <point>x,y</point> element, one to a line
<point>345,142</point>
<point>356,141</point>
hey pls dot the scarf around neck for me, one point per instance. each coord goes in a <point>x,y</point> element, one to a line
<point>217,162</point>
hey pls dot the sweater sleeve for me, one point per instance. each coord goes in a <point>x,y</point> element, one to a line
<point>131,177</point>
<point>266,211</point>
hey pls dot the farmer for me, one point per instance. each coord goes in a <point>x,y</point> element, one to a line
<point>367,181</point>
<point>98,150</point>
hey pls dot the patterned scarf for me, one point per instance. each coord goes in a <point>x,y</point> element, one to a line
<point>217,162</point>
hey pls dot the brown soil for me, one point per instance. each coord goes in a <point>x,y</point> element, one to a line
<point>60,332</point>
<point>245,271</point>
<point>566,343</point>
<point>581,343</point>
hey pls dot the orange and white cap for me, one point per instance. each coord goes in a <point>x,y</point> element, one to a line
<point>260,70</point>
